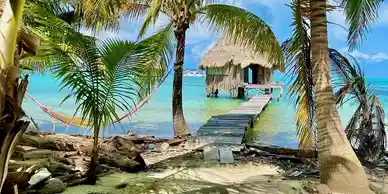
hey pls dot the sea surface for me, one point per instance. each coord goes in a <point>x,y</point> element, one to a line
<point>276,125</point>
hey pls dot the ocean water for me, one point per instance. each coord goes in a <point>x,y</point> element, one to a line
<point>276,125</point>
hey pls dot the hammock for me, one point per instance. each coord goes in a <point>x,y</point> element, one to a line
<point>78,122</point>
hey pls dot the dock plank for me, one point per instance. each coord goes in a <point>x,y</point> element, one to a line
<point>235,122</point>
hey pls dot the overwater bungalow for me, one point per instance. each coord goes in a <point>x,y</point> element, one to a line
<point>228,68</point>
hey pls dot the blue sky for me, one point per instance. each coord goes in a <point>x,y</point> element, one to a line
<point>372,54</point>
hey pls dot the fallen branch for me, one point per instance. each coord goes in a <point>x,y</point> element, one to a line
<point>286,151</point>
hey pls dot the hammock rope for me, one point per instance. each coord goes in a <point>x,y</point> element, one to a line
<point>77,122</point>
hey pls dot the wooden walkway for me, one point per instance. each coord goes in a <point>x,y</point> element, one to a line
<point>230,128</point>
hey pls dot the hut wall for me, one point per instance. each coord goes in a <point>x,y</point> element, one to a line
<point>264,75</point>
<point>228,78</point>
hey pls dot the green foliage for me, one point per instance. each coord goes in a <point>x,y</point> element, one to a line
<point>110,75</point>
<point>42,18</point>
<point>100,14</point>
<point>102,75</point>
<point>360,14</point>
<point>365,130</point>
<point>349,84</point>
<point>160,49</point>
<point>299,69</point>
<point>100,78</point>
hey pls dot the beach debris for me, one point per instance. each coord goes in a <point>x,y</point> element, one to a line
<point>226,155</point>
<point>296,173</point>
<point>164,146</point>
<point>42,175</point>
<point>52,186</point>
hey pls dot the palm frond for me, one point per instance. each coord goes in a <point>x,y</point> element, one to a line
<point>101,78</point>
<point>360,15</point>
<point>347,79</point>
<point>119,85</point>
<point>151,17</point>
<point>299,70</point>
<point>158,51</point>
<point>100,14</point>
<point>40,19</point>
<point>365,129</point>
<point>245,28</point>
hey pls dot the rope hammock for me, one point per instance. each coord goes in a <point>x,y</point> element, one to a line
<point>78,122</point>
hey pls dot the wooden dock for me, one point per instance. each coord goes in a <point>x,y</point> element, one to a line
<point>230,128</point>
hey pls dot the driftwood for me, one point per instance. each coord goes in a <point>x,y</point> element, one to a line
<point>116,151</point>
<point>56,143</point>
<point>291,158</point>
<point>286,151</point>
<point>66,157</point>
<point>126,164</point>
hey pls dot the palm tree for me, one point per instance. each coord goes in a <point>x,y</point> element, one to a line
<point>18,42</point>
<point>365,130</point>
<point>340,168</point>
<point>105,77</point>
<point>241,26</point>
<point>11,88</point>
<point>338,163</point>
<point>42,24</point>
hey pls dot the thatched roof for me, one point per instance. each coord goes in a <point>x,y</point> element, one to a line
<point>224,51</point>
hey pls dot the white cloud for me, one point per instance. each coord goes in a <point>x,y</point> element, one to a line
<point>379,57</point>
<point>376,58</point>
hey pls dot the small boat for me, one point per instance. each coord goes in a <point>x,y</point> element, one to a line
<point>193,74</point>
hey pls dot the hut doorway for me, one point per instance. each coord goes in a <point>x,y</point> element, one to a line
<point>257,74</point>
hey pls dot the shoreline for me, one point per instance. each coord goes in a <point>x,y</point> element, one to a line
<point>64,158</point>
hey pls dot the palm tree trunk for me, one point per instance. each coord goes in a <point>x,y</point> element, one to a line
<point>9,73</point>
<point>340,169</point>
<point>11,92</point>
<point>181,129</point>
<point>92,172</point>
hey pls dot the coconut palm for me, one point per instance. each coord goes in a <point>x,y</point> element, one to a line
<point>241,26</point>
<point>50,24</point>
<point>104,77</point>
<point>11,88</point>
<point>365,130</point>
<point>338,163</point>
<point>39,26</point>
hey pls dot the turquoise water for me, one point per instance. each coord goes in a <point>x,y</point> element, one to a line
<point>276,125</point>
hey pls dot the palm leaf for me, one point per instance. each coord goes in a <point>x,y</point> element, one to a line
<point>158,52</point>
<point>151,17</point>
<point>299,70</point>
<point>245,28</point>
<point>360,14</point>
<point>365,129</point>
<point>99,14</point>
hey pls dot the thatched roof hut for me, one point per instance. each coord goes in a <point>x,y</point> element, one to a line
<point>227,67</point>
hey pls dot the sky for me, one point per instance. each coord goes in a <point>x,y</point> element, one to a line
<point>372,53</point>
